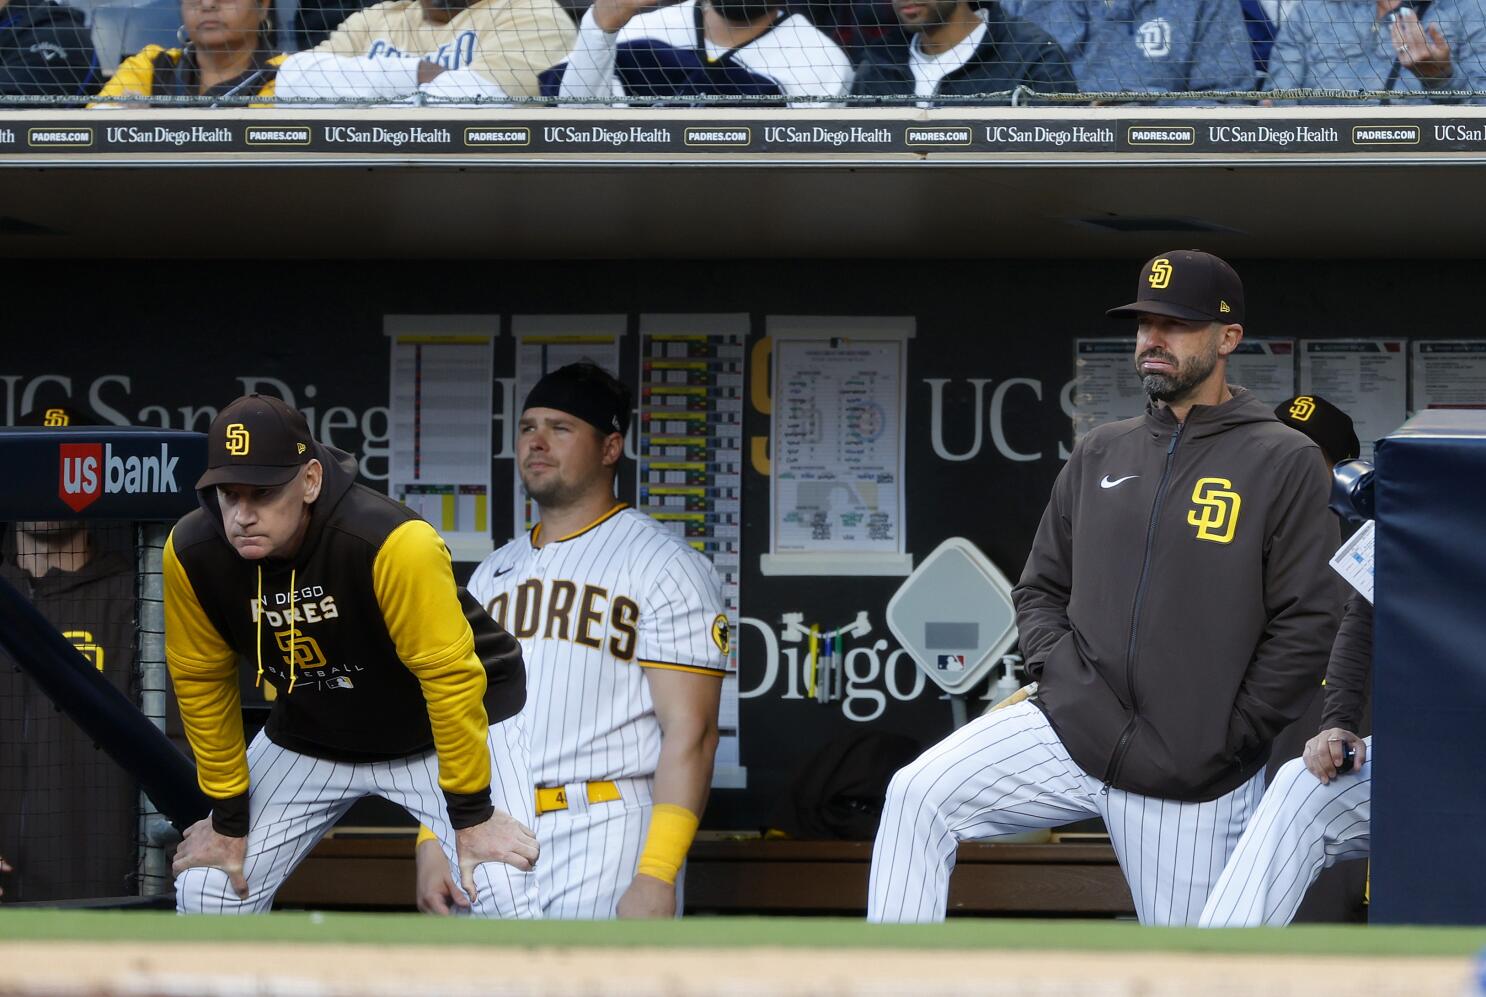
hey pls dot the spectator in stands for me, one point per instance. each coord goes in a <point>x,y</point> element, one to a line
<point>314,20</point>
<point>45,50</point>
<point>1410,48</point>
<point>5,867</point>
<point>68,814</point>
<point>755,51</point>
<point>955,49</point>
<point>227,53</point>
<point>444,50</point>
<point>1150,46</point>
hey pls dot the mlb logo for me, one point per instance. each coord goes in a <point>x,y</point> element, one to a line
<point>950,663</point>
<point>341,682</point>
<point>80,481</point>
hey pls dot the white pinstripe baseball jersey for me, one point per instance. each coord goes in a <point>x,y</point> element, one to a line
<point>591,610</point>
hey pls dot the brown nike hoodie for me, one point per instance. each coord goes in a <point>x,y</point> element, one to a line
<point>1177,608</point>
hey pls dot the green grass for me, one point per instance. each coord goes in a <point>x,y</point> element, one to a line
<point>702,932</point>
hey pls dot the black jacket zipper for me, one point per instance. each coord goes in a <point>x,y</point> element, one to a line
<point>1123,745</point>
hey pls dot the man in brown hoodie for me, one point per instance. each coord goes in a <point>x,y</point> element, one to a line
<point>1176,612</point>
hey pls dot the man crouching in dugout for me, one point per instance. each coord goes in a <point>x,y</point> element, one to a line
<point>391,681</point>
<point>1176,611</point>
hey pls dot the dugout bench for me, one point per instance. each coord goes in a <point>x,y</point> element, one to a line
<point>1076,878</point>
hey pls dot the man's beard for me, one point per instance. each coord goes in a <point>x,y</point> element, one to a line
<point>1180,382</point>
<point>554,494</point>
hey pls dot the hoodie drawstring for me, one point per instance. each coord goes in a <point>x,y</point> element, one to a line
<point>258,633</point>
<point>293,629</point>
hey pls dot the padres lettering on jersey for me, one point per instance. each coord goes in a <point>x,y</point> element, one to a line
<point>591,610</point>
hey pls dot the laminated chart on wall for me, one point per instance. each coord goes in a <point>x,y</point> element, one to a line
<point>837,496</point>
<point>440,426</point>
<point>690,445</point>
<point>1448,373</point>
<point>545,343</point>
<point>1106,386</point>
<point>1266,367</point>
<point>1365,378</point>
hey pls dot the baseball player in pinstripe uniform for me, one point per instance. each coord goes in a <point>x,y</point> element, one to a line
<point>1318,811</point>
<point>388,675</point>
<point>625,640</point>
<point>1176,611</point>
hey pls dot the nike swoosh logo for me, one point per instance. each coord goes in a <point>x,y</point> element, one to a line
<point>1106,483</point>
<point>497,574</point>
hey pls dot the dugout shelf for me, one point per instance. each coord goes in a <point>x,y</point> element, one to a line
<point>767,877</point>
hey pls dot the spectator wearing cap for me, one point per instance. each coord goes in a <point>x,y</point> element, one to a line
<point>45,51</point>
<point>1147,46</point>
<point>68,813</point>
<point>1415,49</point>
<point>953,49</point>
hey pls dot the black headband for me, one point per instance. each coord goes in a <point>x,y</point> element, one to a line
<point>590,399</point>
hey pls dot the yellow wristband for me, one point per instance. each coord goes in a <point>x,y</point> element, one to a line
<point>671,831</point>
<point>424,834</point>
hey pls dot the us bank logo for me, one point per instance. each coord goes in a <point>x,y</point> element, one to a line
<point>88,471</point>
<point>1215,512</point>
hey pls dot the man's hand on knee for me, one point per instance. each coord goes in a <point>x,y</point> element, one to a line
<point>203,848</point>
<point>436,892</point>
<point>1324,753</point>
<point>502,838</point>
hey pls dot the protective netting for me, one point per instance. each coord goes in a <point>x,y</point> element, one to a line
<point>69,816</point>
<point>808,53</point>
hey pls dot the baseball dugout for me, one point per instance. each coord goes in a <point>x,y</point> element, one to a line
<point>89,782</point>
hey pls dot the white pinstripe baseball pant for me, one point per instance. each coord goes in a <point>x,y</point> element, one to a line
<point>1300,828</point>
<point>294,799</point>
<point>590,852</point>
<point>1007,772</point>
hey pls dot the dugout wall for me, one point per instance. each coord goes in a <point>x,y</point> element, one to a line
<point>980,461</point>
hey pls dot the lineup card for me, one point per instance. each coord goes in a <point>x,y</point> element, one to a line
<point>1365,378</point>
<point>1449,373</point>
<point>690,447</point>
<point>838,446</point>
<point>440,447</point>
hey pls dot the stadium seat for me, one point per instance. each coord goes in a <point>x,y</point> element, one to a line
<point>120,30</point>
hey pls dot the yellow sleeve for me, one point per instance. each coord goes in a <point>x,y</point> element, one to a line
<point>413,577</point>
<point>135,77</point>
<point>204,670</point>
<point>518,40</point>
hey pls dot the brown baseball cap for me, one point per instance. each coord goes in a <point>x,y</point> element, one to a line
<point>1328,426</point>
<point>256,440</point>
<point>1186,284</point>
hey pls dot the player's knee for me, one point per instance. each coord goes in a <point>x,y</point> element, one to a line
<point>1290,773</point>
<point>205,891</point>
